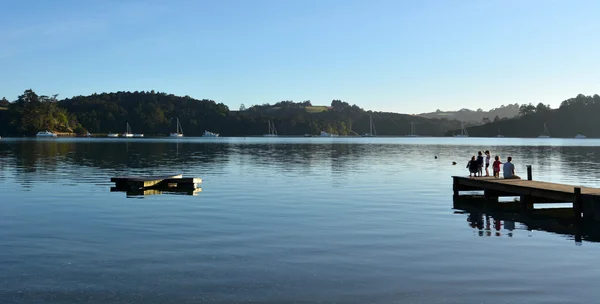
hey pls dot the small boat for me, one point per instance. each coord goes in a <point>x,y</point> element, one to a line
<point>128,132</point>
<point>325,134</point>
<point>463,131</point>
<point>580,136</point>
<point>88,134</point>
<point>209,134</point>
<point>413,133</point>
<point>307,135</point>
<point>371,128</point>
<point>272,131</point>
<point>138,135</point>
<point>45,134</point>
<point>110,134</point>
<point>178,131</point>
<point>546,133</point>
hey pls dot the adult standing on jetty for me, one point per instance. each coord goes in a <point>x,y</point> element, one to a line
<point>487,162</point>
<point>509,169</point>
<point>480,163</point>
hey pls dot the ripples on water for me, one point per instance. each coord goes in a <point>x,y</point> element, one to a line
<point>315,220</point>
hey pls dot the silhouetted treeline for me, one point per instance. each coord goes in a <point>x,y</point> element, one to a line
<point>155,113</point>
<point>577,115</point>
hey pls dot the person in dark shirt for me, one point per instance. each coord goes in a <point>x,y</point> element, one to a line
<point>473,166</point>
<point>480,163</point>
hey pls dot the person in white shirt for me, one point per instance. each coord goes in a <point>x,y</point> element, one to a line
<point>509,169</point>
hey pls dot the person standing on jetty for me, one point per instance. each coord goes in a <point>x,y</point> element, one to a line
<point>487,162</point>
<point>473,167</point>
<point>509,169</point>
<point>480,163</point>
<point>496,167</point>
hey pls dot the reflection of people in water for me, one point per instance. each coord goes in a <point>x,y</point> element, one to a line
<point>497,226</point>
<point>488,229</point>
<point>475,220</point>
<point>510,226</point>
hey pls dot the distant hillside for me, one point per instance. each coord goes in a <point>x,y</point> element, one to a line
<point>156,113</point>
<point>577,115</point>
<point>477,117</point>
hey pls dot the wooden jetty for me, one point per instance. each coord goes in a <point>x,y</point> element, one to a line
<point>138,183</point>
<point>585,200</point>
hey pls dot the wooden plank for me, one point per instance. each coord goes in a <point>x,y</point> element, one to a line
<point>187,180</point>
<point>144,178</point>
<point>525,187</point>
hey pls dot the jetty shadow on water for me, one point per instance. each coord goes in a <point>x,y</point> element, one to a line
<point>504,218</point>
<point>140,193</point>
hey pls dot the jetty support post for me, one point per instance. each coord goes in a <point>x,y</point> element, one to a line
<point>526,202</point>
<point>529,174</point>
<point>577,203</point>
<point>591,207</point>
<point>455,186</point>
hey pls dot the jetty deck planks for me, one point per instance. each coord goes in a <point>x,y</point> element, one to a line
<point>584,199</point>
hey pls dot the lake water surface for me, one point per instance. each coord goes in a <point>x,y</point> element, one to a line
<point>283,220</point>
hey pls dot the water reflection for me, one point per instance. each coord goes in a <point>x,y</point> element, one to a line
<point>494,220</point>
<point>28,160</point>
<point>146,192</point>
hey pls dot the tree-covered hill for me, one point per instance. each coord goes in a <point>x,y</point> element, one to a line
<point>478,116</point>
<point>155,113</point>
<point>577,115</point>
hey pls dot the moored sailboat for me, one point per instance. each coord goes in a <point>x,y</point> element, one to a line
<point>178,131</point>
<point>546,133</point>
<point>127,132</point>
<point>413,132</point>
<point>371,128</point>
<point>463,131</point>
<point>272,131</point>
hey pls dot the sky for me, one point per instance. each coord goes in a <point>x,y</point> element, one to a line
<point>396,56</point>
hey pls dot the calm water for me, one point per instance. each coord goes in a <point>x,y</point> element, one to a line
<point>286,220</point>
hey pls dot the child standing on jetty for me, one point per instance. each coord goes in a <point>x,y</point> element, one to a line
<point>473,166</point>
<point>487,162</point>
<point>496,167</point>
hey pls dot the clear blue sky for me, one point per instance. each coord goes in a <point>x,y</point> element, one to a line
<point>400,56</point>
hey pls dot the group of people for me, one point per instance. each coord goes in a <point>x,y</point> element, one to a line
<point>476,164</point>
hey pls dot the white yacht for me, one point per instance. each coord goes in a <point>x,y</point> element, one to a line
<point>463,131</point>
<point>178,131</point>
<point>413,133</point>
<point>45,134</point>
<point>580,136</point>
<point>138,135</point>
<point>110,134</point>
<point>128,132</point>
<point>325,134</point>
<point>209,134</point>
<point>272,131</point>
<point>371,128</point>
<point>546,133</point>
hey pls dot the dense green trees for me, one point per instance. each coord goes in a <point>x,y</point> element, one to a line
<point>31,113</point>
<point>155,113</point>
<point>574,116</point>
